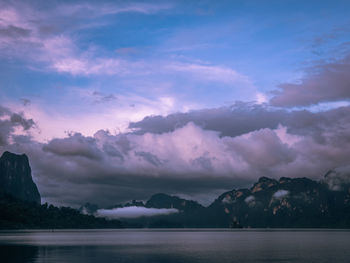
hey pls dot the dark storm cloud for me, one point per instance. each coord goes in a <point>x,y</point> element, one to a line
<point>74,145</point>
<point>18,119</point>
<point>190,159</point>
<point>74,180</point>
<point>326,82</point>
<point>229,121</point>
<point>112,151</point>
<point>243,118</point>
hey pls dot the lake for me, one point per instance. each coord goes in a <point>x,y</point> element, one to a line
<point>186,246</point>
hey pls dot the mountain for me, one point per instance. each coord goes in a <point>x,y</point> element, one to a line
<point>20,202</point>
<point>168,201</point>
<point>16,178</point>
<point>132,203</point>
<point>298,202</point>
<point>287,202</point>
<point>159,200</point>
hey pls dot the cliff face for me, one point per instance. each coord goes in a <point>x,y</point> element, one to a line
<point>16,178</point>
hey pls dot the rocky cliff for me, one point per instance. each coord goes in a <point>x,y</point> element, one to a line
<point>16,178</point>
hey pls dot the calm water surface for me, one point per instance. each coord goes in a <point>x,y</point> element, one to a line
<point>186,246</point>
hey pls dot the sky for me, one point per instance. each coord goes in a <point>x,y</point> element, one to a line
<point>118,100</point>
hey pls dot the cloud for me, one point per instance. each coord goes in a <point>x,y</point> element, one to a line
<point>46,38</point>
<point>102,98</point>
<point>242,118</point>
<point>263,149</point>
<point>113,9</point>
<point>151,158</point>
<point>18,119</point>
<point>211,73</point>
<point>14,32</point>
<point>338,178</point>
<point>249,199</point>
<point>11,124</point>
<point>231,121</point>
<point>134,212</point>
<point>25,102</point>
<point>74,145</point>
<point>326,82</point>
<point>280,194</point>
<point>196,158</point>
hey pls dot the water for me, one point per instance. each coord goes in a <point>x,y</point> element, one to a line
<point>185,246</point>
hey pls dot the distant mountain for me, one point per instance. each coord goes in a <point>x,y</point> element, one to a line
<point>132,203</point>
<point>168,201</point>
<point>159,200</point>
<point>287,202</point>
<point>298,202</point>
<point>16,178</point>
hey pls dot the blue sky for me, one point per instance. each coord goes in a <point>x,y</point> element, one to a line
<point>84,59</point>
<point>118,100</point>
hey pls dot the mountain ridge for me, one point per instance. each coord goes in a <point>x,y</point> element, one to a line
<point>285,202</point>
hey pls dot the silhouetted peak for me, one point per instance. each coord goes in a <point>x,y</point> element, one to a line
<point>266,180</point>
<point>16,178</point>
<point>12,156</point>
<point>284,180</point>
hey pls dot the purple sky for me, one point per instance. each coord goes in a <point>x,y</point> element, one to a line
<point>118,100</point>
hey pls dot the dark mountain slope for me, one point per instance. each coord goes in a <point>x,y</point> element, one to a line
<point>17,214</point>
<point>298,202</point>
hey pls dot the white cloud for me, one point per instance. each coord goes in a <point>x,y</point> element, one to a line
<point>249,199</point>
<point>113,9</point>
<point>280,194</point>
<point>337,178</point>
<point>89,116</point>
<point>59,51</point>
<point>134,212</point>
<point>211,73</point>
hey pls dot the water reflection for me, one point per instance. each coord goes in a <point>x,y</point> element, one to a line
<point>131,246</point>
<point>18,254</point>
